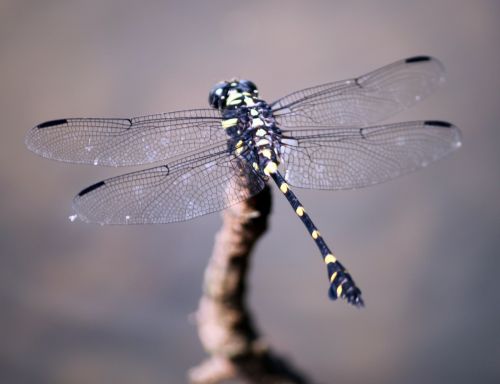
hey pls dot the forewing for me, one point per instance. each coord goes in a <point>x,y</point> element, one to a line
<point>343,158</point>
<point>362,101</point>
<point>125,142</point>
<point>193,186</point>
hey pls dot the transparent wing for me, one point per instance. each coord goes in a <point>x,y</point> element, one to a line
<point>193,186</point>
<point>125,142</point>
<point>362,101</point>
<point>343,158</point>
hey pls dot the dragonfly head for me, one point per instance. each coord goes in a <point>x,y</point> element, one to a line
<point>235,88</point>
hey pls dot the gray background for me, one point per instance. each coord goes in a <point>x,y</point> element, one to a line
<point>91,304</point>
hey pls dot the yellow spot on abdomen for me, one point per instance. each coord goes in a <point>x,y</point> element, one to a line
<point>333,277</point>
<point>330,259</point>
<point>339,290</point>
<point>284,187</point>
<point>249,101</point>
<point>300,210</point>
<point>315,234</point>
<point>271,167</point>
<point>255,166</point>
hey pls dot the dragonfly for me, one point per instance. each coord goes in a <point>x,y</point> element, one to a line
<point>324,137</point>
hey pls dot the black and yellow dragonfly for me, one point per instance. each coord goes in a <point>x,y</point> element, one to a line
<point>321,137</point>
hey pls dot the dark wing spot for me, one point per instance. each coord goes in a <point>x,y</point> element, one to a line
<point>91,188</point>
<point>361,133</point>
<point>417,59</point>
<point>437,123</point>
<point>52,123</point>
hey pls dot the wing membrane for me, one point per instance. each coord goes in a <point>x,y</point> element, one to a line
<point>193,186</point>
<point>343,158</point>
<point>125,142</point>
<point>362,101</point>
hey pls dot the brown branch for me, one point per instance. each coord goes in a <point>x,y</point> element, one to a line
<point>225,325</point>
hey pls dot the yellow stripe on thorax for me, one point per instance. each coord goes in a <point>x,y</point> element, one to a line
<point>260,132</point>
<point>257,122</point>
<point>229,123</point>
<point>234,98</point>
<point>266,152</point>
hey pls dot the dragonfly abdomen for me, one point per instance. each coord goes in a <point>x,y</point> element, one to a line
<point>341,282</point>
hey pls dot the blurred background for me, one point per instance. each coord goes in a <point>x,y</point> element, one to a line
<point>91,304</point>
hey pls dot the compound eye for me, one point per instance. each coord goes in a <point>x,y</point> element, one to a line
<point>249,86</point>
<point>218,90</point>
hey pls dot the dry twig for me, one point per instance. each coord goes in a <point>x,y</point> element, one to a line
<point>225,325</point>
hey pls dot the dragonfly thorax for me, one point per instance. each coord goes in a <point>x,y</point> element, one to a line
<point>254,134</point>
